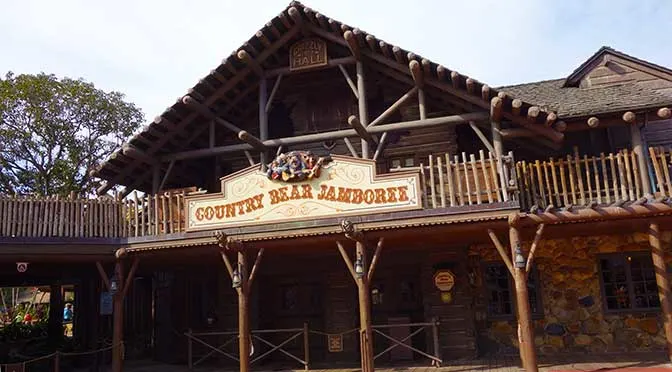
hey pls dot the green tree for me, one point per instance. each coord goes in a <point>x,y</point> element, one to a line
<point>53,132</point>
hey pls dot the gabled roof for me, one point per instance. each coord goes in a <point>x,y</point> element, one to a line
<point>570,101</point>
<point>225,90</point>
<point>575,77</point>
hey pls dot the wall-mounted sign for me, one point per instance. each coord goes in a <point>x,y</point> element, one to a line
<point>444,280</point>
<point>335,343</point>
<point>308,53</point>
<point>340,187</point>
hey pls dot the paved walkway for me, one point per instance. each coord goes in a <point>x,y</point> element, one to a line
<point>646,362</point>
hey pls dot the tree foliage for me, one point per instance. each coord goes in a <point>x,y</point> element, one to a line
<point>53,132</point>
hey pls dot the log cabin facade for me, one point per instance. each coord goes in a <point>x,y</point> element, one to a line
<point>456,219</point>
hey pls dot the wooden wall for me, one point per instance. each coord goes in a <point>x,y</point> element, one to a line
<point>617,71</point>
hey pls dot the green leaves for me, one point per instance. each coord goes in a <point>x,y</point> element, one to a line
<point>53,132</point>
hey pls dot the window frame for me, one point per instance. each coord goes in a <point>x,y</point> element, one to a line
<point>631,292</point>
<point>512,292</point>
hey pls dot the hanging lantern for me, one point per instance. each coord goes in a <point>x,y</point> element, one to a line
<point>114,285</point>
<point>236,279</point>
<point>359,267</point>
<point>520,260</point>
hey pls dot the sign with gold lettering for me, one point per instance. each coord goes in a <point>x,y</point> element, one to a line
<point>444,280</point>
<point>308,53</point>
<point>299,186</point>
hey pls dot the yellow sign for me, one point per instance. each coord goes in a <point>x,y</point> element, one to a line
<point>446,297</point>
<point>342,187</point>
<point>444,280</point>
<point>308,53</point>
<point>335,343</point>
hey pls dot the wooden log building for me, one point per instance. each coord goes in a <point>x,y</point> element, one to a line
<point>323,197</point>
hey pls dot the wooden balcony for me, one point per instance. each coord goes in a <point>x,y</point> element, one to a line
<point>468,182</point>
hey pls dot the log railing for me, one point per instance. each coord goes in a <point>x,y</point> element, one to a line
<point>105,217</point>
<point>578,180</point>
<point>462,180</point>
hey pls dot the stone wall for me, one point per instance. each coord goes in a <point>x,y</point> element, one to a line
<point>573,319</point>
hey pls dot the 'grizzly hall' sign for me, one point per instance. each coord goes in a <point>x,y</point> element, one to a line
<point>299,186</point>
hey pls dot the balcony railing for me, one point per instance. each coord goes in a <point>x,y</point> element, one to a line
<point>447,181</point>
<point>462,180</point>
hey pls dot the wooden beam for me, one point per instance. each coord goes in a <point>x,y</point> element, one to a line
<point>551,118</point>
<point>360,129</point>
<point>416,73</point>
<point>263,122</point>
<point>381,146</point>
<point>516,105</point>
<point>103,276</point>
<point>496,107</point>
<point>394,107</point>
<point>593,122</point>
<point>664,113</point>
<point>630,117</point>
<point>500,248</point>
<point>249,158</point>
<point>255,268</point>
<point>129,278</point>
<point>351,43</point>
<point>663,282</point>
<point>351,148</point>
<point>335,62</point>
<point>245,57</point>
<point>374,260</point>
<point>482,137</point>
<point>533,113</point>
<point>253,141</point>
<point>535,243</point>
<point>166,175</point>
<point>271,97</point>
<point>638,149</point>
<point>651,209</point>
<point>363,108</point>
<point>332,135</point>
<point>137,154</point>
<point>347,260</point>
<point>351,83</point>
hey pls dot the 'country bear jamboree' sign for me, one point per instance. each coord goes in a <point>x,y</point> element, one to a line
<point>299,186</point>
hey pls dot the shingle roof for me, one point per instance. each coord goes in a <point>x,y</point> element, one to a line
<point>573,101</point>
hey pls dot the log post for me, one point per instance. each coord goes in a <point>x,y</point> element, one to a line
<point>495,118</point>
<point>117,320</point>
<point>528,354</point>
<point>263,117</point>
<point>663,281</point>
<point>55,321</point>
<point>363,108</point>
<point>362,273</point>
<point>638,148</point>
<point>242,280</point>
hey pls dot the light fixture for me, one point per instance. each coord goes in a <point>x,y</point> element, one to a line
<point>114,285</point>
<point>520,260</point>
<point>235,278</point>
<point>359,267</point>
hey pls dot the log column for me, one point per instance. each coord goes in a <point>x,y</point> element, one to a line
<point>263,116</point>
<point>242,282</point>
<point>495,122</point>
<point>519,268</point>
<point>118,287</point>
<point>363,108</point>
<point>663,281</point>
<point>362,273</point>
<point>638,149</point>
<point>55,322</point>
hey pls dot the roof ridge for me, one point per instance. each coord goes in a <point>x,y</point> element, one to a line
<point>529,83</point>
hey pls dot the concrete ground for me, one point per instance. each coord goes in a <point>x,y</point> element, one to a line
<point>632,362</point>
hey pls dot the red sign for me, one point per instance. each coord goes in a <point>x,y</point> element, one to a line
<point>444,280</point>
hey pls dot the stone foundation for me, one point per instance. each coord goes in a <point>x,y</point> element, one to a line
<point>574,318</point>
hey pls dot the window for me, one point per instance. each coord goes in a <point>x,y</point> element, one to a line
<point>500,291</point>
<point>629,282</point>
<point>402,162</point>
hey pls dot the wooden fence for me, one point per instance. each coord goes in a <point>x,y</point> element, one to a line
<point>582,180</point>
<point>461,180</point>
<point>104,217</point>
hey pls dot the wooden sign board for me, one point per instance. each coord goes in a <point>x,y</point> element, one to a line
<point>343,187</point>
<point>444,280</point>
<point>308,53</point>
<point>335,343</point>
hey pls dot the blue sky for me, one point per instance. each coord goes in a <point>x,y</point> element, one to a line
<point>153,51</point>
